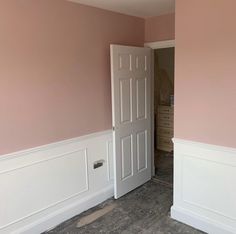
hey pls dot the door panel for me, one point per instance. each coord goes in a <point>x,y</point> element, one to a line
<point>125,62</point>
<point>141,62</point>
<point>125,100</point>
<point>142,150</point>
<point>127,157</point>
<point>141,89</point>
<point>130,72</point>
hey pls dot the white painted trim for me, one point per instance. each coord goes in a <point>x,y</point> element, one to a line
<point>54,144</point>
<point>160,44</point>
<point>204,145</point>
<point>199,222</point>
<point>152,115</point>
<point>53,219</point>
<point>204,192</point>
<point>57,180</point>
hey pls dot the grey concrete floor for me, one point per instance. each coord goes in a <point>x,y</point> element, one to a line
<point>144,210</point>
<point>164,167</point>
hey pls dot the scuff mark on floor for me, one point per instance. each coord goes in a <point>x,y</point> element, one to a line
<point>144,210</point>
<point>95,215</point>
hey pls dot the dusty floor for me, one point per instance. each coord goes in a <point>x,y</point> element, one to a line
<point>144,210</point>
<point>164,167</point>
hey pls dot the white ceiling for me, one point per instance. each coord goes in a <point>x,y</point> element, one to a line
<point>140,8</point>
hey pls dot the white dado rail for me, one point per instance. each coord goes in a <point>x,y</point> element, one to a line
<point>205,186</point>
<point>43,186</point>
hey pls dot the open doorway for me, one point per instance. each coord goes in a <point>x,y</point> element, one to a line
<point>163,114</point>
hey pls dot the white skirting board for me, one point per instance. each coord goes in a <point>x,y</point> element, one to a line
<point>204,186</point>
<point>44,186</point>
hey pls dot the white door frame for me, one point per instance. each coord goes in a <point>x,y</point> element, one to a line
<point>155,45</point>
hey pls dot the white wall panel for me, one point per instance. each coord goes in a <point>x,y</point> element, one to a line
<point>204,186</point>
<point>42,187</point>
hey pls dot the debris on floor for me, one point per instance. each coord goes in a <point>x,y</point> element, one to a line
<point>142,211</point>
<point>95,215</point>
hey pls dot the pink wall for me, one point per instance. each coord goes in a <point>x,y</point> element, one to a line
<point>55,69</point>
<point>205,108</point>
<point>160,28</point>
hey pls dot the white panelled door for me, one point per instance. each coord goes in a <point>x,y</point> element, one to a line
<point>130,77</point>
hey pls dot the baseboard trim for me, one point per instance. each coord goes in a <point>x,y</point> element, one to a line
<point>67,212</point>
<point>199,222</point>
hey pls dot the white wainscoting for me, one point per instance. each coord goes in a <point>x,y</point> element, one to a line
<point>41,187</point>
<point>205,186</point>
